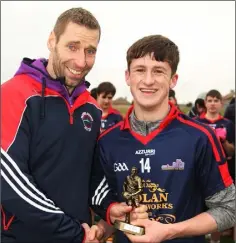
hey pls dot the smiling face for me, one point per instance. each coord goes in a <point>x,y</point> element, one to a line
<point>150,81</point>
<point>73,55</point>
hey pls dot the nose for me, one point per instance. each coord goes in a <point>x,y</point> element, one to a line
<point>148,79</point>
<point>106,100</point>
<point>80,60</point>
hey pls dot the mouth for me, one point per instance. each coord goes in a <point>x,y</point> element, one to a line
<point>148,91</point>
<point>73,71</point>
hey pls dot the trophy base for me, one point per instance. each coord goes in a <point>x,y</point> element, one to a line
<point>129,228</point>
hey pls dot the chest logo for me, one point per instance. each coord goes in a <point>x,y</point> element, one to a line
<point>177,165</point>
<point>87,121</point>
<point>120,167</point>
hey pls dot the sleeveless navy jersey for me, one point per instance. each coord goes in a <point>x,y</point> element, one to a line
<point>181,163</point>
<point>112,118</point>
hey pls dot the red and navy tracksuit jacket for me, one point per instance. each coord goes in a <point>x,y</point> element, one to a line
<point>47,149</point>
<point>181,163</point>
<point>112,118</point>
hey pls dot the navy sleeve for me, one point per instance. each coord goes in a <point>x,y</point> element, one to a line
<point>102,195</point>
<point>20,195</point>
<point>211,165</point>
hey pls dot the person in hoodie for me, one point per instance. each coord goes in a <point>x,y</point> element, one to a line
<point>50,125</point>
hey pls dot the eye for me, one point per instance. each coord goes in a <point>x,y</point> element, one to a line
<point>72,47</point>
<point>157,71</point>
<point>140,70</point>
<point>91,52</point>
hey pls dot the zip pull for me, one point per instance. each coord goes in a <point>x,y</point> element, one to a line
<point>71,117</point>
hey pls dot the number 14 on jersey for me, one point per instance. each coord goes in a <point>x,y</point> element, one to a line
<point>145,165</point>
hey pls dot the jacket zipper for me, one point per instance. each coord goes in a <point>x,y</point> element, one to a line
<point>71,117</point>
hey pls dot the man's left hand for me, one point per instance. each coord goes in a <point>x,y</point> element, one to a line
<point>119,210</point>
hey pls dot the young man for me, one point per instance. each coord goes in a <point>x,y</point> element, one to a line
<point>198,109</point>
<point>104,94</point>
<point>110,116</point>
<point>49,129</point>
<point>223,127</point>
<point>181,162</point>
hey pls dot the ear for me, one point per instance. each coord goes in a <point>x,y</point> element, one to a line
<point>173,81</point>
<point>127,77</point>
<point>51,41</point>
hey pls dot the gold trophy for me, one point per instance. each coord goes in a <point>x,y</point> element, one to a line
<point>132,187</point>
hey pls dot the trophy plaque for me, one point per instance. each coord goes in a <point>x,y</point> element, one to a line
<point>132,188</point>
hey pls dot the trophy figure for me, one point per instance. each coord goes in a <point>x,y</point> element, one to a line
<point>132,187</point>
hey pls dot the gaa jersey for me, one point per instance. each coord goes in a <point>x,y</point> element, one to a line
<point>112,118</point>
<point>220,122</point>
<point>181,163</point>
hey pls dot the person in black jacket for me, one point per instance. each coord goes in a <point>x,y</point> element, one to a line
<point>49,128</point>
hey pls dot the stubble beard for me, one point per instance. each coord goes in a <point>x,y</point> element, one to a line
<point>56,65</point>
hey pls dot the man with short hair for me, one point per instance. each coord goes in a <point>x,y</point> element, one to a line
<point>110,116</point>
<point>223,127</point>
<point>181,163</point>
<point>49,128</point>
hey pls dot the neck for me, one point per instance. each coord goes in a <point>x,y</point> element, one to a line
<point>70,89</point>
<point>212,116</point>
<point>153,114</point>
<point>51,72</point>
<point>104,112</point>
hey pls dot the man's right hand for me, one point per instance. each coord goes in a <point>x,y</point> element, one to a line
<point>93,234</point>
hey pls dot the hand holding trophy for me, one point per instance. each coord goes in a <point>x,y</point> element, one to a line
<point>132,187</point>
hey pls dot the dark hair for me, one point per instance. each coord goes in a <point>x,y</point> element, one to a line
<point>162,48</point>
<point>200,102</point>
<point>93,93</point>
<point>214,94</point>
<point>171,93</point>
<point>232,101</point>
<point>107,88</point>
<point>78,16</point>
